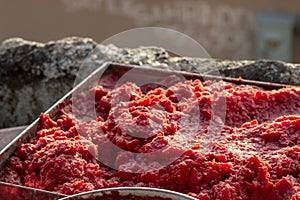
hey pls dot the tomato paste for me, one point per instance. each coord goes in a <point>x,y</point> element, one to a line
<point>255,154</point>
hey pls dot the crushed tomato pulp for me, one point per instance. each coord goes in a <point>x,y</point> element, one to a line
<point>255,154</point>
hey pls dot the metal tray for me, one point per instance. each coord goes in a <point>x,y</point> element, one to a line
<point>134,192</point>
<point>107,68</point>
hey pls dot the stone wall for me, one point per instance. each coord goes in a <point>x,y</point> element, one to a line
<point>34,75</point>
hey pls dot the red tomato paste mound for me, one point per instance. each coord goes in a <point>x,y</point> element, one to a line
<point>255,155</point>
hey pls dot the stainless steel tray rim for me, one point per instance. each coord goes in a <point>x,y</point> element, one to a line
<point>138,191</point>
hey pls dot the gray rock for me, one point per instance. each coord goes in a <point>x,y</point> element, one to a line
<point>35,75</point>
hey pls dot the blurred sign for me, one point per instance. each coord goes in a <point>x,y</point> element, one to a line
<point>275,36</point>
<point>224,30</point>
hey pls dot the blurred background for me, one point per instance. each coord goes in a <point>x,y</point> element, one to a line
<point>228,29</point>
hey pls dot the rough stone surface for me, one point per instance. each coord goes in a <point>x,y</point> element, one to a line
<point>35,75</point>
